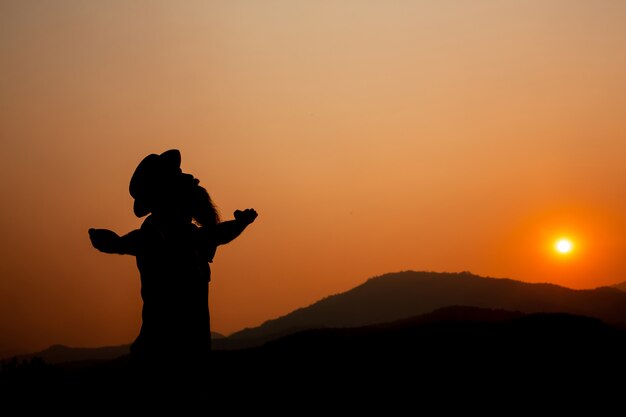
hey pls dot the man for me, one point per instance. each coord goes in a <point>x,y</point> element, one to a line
<point>173,248</point>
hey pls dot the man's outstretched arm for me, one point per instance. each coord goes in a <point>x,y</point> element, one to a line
<point>227,231</point>
<point>108,241</point>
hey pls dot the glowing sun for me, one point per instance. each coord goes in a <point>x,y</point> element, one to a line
<point>564,246</point>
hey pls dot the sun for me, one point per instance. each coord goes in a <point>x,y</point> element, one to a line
<point>564,246</point>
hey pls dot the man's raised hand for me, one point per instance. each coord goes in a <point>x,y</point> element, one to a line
<point>247,216</point>
<point>104,240</point>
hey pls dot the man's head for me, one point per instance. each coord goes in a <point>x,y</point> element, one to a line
<point>159,186</point>
<point>193,201</point>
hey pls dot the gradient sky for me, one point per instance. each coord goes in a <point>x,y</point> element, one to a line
<point>371,136</point>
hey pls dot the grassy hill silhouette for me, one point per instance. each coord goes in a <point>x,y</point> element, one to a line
<point>401,295</point>
<point>60,353</point>
<point>449,352</point>
<point>463,330</point>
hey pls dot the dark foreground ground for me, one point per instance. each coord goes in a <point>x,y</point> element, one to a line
<point>455,360</point>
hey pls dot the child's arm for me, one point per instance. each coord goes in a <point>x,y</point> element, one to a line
<point>226,232</point>
<point>108,241</point>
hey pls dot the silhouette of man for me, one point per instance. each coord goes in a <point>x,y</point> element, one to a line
<point>173,248</point>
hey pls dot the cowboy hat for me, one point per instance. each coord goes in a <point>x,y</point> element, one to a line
<point>149,176</point>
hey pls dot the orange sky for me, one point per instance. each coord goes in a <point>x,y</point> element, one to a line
<point>371,136</point>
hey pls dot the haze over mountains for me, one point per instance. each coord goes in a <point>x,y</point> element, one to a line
<point>621,286</point>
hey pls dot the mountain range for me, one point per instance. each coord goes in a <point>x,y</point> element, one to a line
<point>61,353</point>
<point>407,295</point>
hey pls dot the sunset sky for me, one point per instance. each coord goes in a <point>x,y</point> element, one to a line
<point>371,137</point>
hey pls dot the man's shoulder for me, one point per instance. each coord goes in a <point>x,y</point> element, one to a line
<point>151,225</point>
<point>148,223</point>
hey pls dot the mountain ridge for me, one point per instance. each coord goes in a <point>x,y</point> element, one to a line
<point>401,295</point>
<point>59,353</point>
<point>404,294</point>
